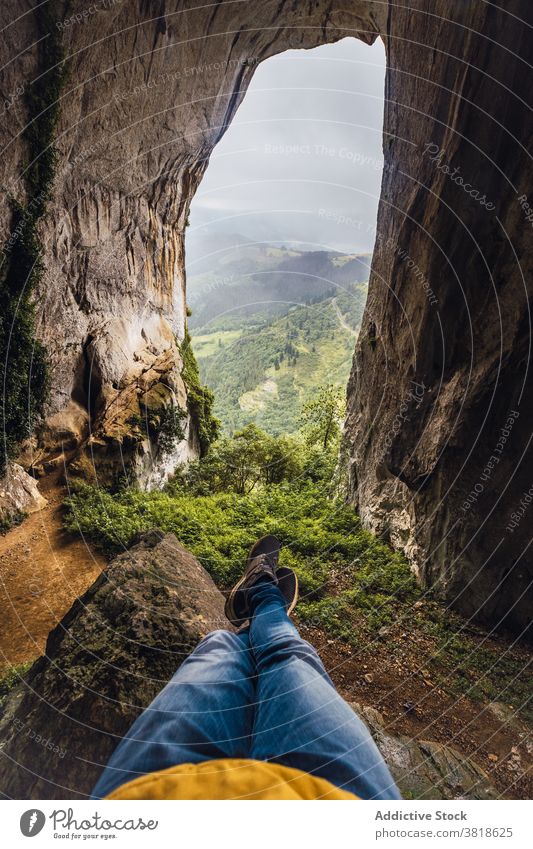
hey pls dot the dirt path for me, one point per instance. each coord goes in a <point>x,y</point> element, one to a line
<point>42,570</point>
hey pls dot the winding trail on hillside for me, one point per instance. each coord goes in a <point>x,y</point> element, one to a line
<point>342,321</point>
<point>42,570</point>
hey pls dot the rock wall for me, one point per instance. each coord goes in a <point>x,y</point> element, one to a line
<point>441,367</point>
<point>440,396</point>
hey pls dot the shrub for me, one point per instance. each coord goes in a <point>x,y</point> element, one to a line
<point>220,505</point>
<point>200,399</point>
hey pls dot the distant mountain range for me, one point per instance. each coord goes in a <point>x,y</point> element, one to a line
<point>238,278</point>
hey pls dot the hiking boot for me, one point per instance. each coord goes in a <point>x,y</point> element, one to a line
<point>262,562</point>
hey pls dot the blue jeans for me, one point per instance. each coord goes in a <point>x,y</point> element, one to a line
<point>262,694</point>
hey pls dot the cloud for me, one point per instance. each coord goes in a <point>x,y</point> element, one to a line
<point>302,159</point>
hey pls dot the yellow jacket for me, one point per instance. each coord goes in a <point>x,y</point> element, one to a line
<point>230,779</point>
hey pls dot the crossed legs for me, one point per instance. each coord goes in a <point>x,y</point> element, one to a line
<point>261,694</point>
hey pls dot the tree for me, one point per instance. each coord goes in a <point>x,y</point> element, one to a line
<point>246,457</point>
<point>282,459</point>
<point>240,463</point>
<point>322,416</point>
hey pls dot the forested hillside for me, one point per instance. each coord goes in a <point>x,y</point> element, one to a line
<point>264,357</point>
<point>229,276</point>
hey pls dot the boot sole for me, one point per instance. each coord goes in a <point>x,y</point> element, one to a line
<point>288,584</point>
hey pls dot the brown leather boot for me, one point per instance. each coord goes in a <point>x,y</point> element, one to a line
<point>262,562</point>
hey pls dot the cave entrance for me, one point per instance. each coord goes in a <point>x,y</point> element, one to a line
<point>281,233</point>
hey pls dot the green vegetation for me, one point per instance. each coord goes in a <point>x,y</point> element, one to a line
<point>322,417</point>
<point>240,464</point>
<point>269,323</point>
<point>23,366</point>
<point>320,534</point>
<point>264,370</point>
<point>353,586</point>
<point>200,399</point>
<point>11,678</point>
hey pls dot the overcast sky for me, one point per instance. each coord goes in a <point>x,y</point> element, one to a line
<point>301,161</point>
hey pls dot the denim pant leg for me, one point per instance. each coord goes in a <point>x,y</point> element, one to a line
<point>205,711</point>
<point>300,719</point>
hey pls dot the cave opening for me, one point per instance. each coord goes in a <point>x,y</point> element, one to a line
<point>281,233</point>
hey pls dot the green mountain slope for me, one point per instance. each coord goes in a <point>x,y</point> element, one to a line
<point>229,282</point>
<point>263,369</point>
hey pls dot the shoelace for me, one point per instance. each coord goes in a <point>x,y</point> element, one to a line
<point>262,560</point>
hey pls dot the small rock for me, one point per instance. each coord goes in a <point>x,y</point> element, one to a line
<point>117,620</point>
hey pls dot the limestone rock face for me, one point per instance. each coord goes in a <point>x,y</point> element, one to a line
<point>111,654</point>
<point>440,398</point>
<point>104,662</point>
<point>441,368</point>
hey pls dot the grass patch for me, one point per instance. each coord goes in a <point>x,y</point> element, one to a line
<point>11,521</point>
<point>353,586</point>
<point>209,343</point>
<point>11,678</point>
